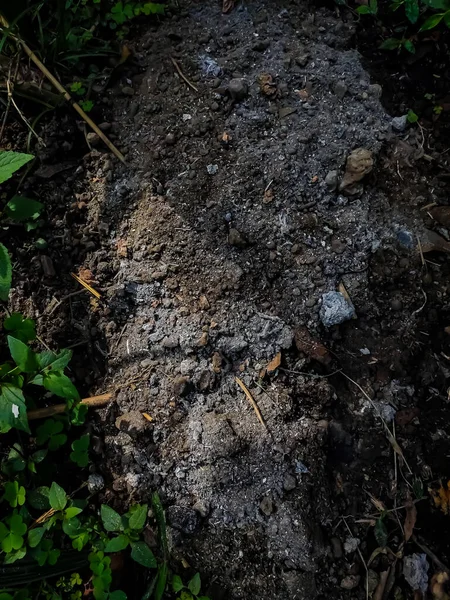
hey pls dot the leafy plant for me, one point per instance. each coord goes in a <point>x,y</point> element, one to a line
<point>191,590</point>
<point>368,9</point>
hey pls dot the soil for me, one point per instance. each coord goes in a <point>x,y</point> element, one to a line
<point>213,247</point>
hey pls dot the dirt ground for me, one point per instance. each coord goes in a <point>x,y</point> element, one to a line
<point>215,249</point>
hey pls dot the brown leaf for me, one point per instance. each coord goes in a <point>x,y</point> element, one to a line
<point>122,248</point>
<point>268,85</point>
<point>268,196</point>
<point>410,519</point>
<point>227,6</point>
<point>438,586</point>
<point>441,497</point>
<point>274,363</point>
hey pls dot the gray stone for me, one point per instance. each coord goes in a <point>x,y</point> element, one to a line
<point>340,89</point>
<point>350,582</point>
<point>332,180</point>
<point>127,91</point>
<point>289,482</point>
<point>95,483</point>
<point>132,423</point>
<point>235,238</point>
<point>266,506</point>
<point>406,239</point>
<point>335,309</point>
<point>415,570</point>
<point>376,90</point>
<point>238,89</point>
<point>212,169</point>
<point>399,123</point>
<point>93,138</point>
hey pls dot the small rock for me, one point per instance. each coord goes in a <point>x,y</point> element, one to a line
<point>396,304</point>
<point>285,111</point>
<point>93,138</point>
<point>127,91</point>
<point>350,582</point>
<point>331,180</point>
<point>406,239</point>
<point>289,482</point>
<point>202,508</point>
<point>47,266</point>
<point>182,518</point>
<point>359,164</point>
<point>336,547</point>
<point>132,423</point>
<point>266,505</point>
<point>302,60</point>
<point>415,571</point>
<point>181,386</point>
<point>235,238</point>
<point>170,139</point>
<point>238,89</point>
<point>40,244</point>
<point>261,45</point>
<point>170,341</point>
<point>399,123</point>
<point>335,309</point>
<point>376,90</point>
<point>95,483</point>
<point>212,169</point>
<point>340,89</point>
<point>351,544</point>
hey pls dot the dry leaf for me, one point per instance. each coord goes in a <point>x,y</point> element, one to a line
<point>410,519</point>
<point>268,196</point>
<point>216,362</point>
<point>226,137</point>
<point>125,53</point>
<point>313,348</point>
<point>274,364</point>
<point>441,497</point>
<point>227,6</point>
<point>268,85</point>
<point>315,179</point>
<point>438,586</point>
<point>122,248</point>
<point>430,241</point>
<point>86,275</point>
<point>304,94</point>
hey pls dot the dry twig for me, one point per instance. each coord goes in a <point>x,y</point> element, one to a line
<point>249,397</point>
<point>56,409</point>
<point>183,77</point>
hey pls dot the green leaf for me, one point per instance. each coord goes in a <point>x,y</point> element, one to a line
<point>5,273</point>
<point>80,454</point>
<point>412,10</point>
<point>364,10</point>
<point>60,385</point>
<point>142,554</point>
<point>13,411</point>
<point>111,520</point>
<point>408,45</point>
<point>10,162</point>
<point>117,544</point>
<point>437,4</point>
<point>39,498</point>
<point>35,536</point>
<point>161,581</point>
<point>154,8</point>
<point>447,18</point>
<point>55,362</point>
<point>412,117</point>
<point>22,355</point>
<point>380,532</point>
<point>77,414</point>
<point>195,584</point>
<point>57,497</point>
<point>20,209</point>
<point>21,328</point>
<point>14,494</point>
<point>186,595</point>
<point>72,512</point>
<point>117,595</point>
<point>391,44</point>
<point>138,516</point>
<point>432,22</point>
<point>177,583</point>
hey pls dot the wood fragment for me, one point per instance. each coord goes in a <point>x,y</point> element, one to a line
<point>87,286</point>
<point>410,519</point>
<point>148,417</point>
<point>249,397</point>
<point>183,77</point>
<point>56,409</point>
<point>379,590</point>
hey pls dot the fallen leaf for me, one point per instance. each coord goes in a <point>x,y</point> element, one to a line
<point>268,85</point>
<point>430,241</point>
<point>274,364</point>
<point>86,275</point>
<point>410,519</point>
<point>441,497</point>
<point>437,586</point>
<point>311,347</point>
<point>125,53</point>
<point>268,196</point>
<point>304,94</point>
<point>227,6</point>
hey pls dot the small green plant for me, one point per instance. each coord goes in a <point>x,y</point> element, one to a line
<point>398,44</point>
<point>368,9</point>
<point>191,590</point>
<point>412,117</point>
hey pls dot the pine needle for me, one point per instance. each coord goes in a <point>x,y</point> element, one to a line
<point>87,286</point>
<point>252,401</point>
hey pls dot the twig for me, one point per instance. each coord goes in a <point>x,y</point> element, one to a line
<point>431,554</point>
<point>180,73</point>
<point>379,590</point>
<point>252,401</point>
<point>67,96</point>
<point>56,409</point>
<point>388,432</point>
<point>64,298</point>
<point>86,285</point>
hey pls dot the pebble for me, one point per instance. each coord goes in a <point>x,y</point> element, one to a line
<point>127,91</point>
<point>238,89</point>
<point>376,90</point>
<point>335,309</point>
<point>331,180</point>
<point>399,123</point>
<point>350,582</point>
<point>132,423</point>
<point>235,238</point>
<point>212,169</point>
<point>181,385</point>
<point>289,482</point>
<point>406,239</point>
<point>202,508</point>
<point>92,138</point>
<point>266,506</point>
<point>170,139</point>
<point>340,89</point>
<point>396,304</point>
<point>95,483</point>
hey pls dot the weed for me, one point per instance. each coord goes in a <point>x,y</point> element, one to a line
<point>191,590</point>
